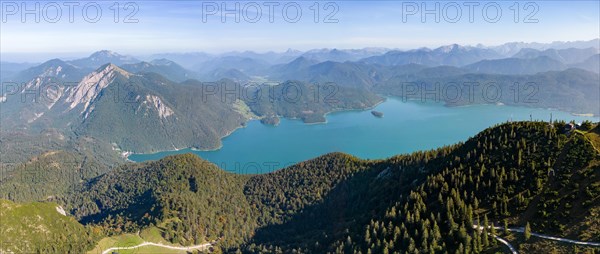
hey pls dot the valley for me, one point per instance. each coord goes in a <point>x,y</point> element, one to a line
<point>317,151</point>
<point>407,127</point>
<point>498,176</point>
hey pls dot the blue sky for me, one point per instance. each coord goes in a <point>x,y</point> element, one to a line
<point>178,26</point>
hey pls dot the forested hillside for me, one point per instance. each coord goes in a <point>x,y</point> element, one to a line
<point>49,165</point>
<point>572,90</point>
<point>430,201</point>
<point>514,174</point>
<point>309,102</point>
<point>189,199</point>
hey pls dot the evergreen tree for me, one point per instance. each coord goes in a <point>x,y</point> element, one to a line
<point>527,232</point>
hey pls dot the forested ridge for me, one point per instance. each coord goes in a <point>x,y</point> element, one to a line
<point>426,202</point>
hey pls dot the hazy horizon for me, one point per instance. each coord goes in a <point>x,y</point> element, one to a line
<point>145,28</point>
<point>23,57</point>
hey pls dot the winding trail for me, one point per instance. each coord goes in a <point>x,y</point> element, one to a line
<point>564,240</point>
<point>503,241</point>
<point>512,248</point>
<point>195,247</point>
<point>522,230</point>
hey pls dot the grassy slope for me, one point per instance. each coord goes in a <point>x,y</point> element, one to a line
<point>151,234</point>
<point>124,240</point>
<point>39,227</point>
<point>594,136</point>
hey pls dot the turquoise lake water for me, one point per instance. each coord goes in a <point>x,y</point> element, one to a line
<point>406,127</point>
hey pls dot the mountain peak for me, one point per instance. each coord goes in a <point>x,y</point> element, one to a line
<point>300,59</point>
<point>102,57</point>
<point>105,53</point>
<point>450,48</point>
<point>54,61</point>
<point>292,51</point>
<point>51,68</point>
<point>90,87</point>
<point>299,63</point>
<point>162,61</point>
<point>110,67</point>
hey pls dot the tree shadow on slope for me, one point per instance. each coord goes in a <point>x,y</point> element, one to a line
<point>133,211</point>
<point>348,207</point>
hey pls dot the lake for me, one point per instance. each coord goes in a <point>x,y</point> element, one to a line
<point>406,127</point>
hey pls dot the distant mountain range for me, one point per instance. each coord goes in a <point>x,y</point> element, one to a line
<point>511,48</point>
<point>164,67</point>
<point>573,90</point>
<point>140,103</point>
<point>454,55</point>
<point>162,99</point>
<point>102,57</point>
<point>566,56</point>
<point>516,65</point>
<point>591,64</point>
<point>342,55</point>
<point>249,62</point>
